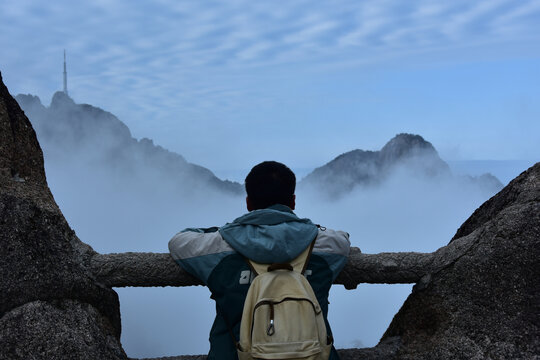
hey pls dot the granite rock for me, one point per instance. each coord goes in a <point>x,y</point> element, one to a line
<point>58,329</point>
<point>44,281</point>
<point>486,304</point>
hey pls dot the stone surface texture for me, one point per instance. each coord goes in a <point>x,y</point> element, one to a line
<point>49,297</point>
<point>486,304</point>
<point>58,329</point>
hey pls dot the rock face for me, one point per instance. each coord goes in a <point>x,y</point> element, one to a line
<point>51,307</point>
<point>486,305</point>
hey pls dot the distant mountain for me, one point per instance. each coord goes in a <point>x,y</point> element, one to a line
<point>81,135</point>
<point>406,152</point>
<point>80,132</point>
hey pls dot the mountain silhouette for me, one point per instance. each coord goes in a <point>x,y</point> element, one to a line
<point>70,132</point>
<point>405,152</point>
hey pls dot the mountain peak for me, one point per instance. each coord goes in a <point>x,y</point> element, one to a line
<point>406,145</point>
<point>360,167</point>
<point>89,135</point>
<point>60,98</point>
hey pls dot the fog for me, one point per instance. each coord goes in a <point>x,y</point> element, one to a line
<point>404,213</point>
<point>115,210</point>
<point>120,194</point>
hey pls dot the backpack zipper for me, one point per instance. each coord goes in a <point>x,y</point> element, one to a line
<point>271,328</point>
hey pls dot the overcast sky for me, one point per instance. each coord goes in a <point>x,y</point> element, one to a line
<point>231,83</point>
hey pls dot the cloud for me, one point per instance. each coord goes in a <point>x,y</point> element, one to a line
<point>115,211</point>
<point>169,62</point>
<point>194,33</point>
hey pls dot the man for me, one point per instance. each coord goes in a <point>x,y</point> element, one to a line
<point>269,233</point>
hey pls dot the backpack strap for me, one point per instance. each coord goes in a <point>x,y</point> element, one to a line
<point>311,246</point>
<point>252,267</point>
<point>298,264</point>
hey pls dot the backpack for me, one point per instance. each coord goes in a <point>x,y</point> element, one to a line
<point>282,318</point>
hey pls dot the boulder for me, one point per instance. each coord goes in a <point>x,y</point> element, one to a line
<point>47,290</point>
<point>486,304</point>
<point>58,329</point>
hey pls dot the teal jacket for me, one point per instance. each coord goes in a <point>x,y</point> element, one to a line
<point>273,235</point>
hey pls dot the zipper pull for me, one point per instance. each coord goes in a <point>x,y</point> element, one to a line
<point>271,330</point>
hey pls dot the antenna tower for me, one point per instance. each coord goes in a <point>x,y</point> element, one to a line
<point>65,74</point>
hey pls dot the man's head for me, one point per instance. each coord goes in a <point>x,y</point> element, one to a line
<point>270,183</point>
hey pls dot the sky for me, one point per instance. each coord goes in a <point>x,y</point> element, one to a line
<point>228,84</point>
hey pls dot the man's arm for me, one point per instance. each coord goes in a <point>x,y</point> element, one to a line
<point>334,247</point>
<point>198,251</point>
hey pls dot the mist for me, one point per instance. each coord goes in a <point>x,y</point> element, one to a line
<point>404,213</point>
<point>120,194</point>
<point>118,211</point>
<point>115,210</point>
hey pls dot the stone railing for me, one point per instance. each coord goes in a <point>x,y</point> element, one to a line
<point>153,269</point>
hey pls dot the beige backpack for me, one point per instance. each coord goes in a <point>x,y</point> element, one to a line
<point>282,318</point>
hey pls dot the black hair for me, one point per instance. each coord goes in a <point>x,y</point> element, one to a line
<point>270,183</point>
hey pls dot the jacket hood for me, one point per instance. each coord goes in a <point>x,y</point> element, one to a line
<point>271,235</point>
